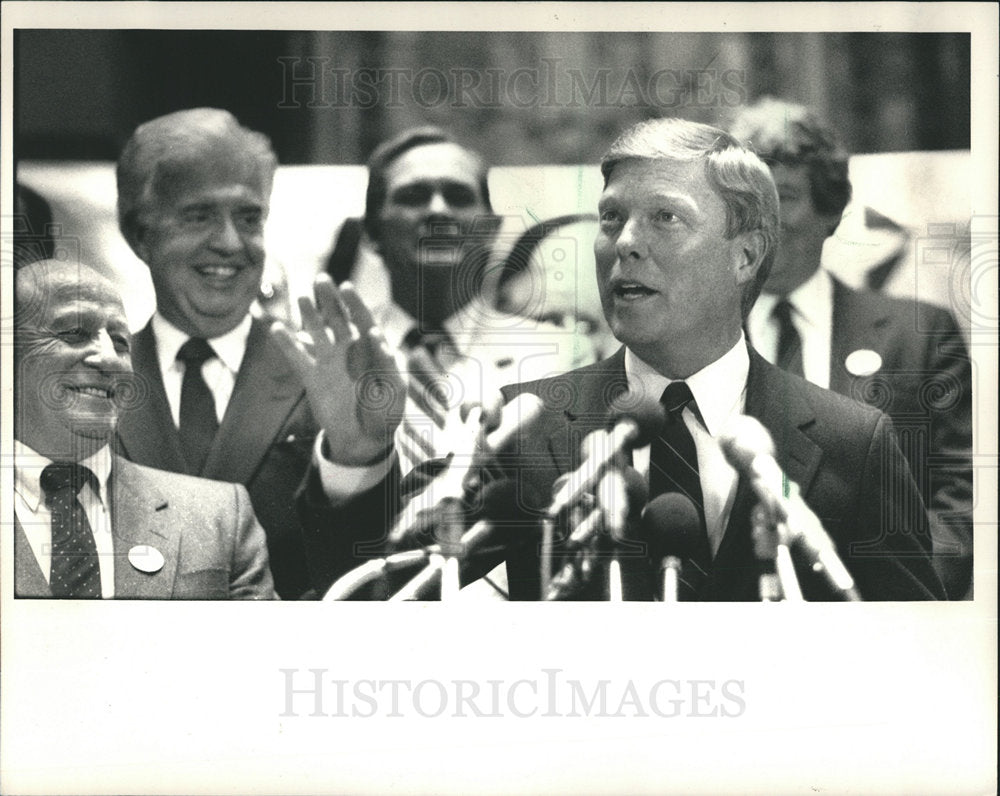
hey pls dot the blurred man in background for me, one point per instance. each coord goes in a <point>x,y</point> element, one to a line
<point>425,267</point>
<point>217,397</point>
<point>904,357</point>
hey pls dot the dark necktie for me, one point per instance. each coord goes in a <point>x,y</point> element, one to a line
<point>673,467</point>
<point>439,344</point>
<point>198,420</point>
<point>76,569</point>
<point>789,357</point>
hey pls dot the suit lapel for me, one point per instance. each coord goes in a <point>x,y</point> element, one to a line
<point>858,323</point>
<point>29,580</point>
<point>265,393</point>
<point>146,432</point>
<point>588,397</point>
<point>140,515</point>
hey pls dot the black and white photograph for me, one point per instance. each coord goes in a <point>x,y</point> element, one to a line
<point>470,307</point>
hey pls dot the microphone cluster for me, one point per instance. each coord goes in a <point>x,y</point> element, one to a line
<point>599,538</point>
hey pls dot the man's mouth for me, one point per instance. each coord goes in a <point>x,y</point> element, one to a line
<point>217,272</point>
<point>630,290</point>
<point>107,393</point>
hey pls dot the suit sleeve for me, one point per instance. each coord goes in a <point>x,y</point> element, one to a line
<point>886,551</point>
<point>948,399</point>
<point>249,573</point>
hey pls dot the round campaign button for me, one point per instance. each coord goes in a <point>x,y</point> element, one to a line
<point>145,558</point>
<point>863,362</point>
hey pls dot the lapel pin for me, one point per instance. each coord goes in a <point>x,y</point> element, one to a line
<point>145,558</point>
<point>863,362</point>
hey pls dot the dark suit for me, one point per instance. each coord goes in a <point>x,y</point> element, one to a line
<point>264,442</point>
<point>843,457</point>
<point>212,545</point>
<point>925,385</point>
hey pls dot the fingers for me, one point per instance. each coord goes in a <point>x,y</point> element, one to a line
<point>358,311</point>
<point>332,309</point>
<point>293,349</point>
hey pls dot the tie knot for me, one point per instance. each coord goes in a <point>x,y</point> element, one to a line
<point>676,397</point>
<point>60,476</point>
<point>195,351</point>
<point>783,311</point>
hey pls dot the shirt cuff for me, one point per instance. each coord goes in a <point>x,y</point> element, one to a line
<point>342,482</point>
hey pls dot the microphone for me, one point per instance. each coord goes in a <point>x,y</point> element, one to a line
<point>459,477</point>
<point>748,447</point>
<point>600,448</point>
<point>672,529</point>
<point>500,521</point>
<point>621,494</point>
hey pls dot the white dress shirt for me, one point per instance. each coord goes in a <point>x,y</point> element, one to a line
<point>719,389</point>
<point>36,520</point>
<point>219,372</point>
<point>812,317</point>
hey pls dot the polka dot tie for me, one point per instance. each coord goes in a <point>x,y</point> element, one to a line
<point>76,569</point>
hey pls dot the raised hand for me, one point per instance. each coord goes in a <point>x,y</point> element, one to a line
<point>353,384</point>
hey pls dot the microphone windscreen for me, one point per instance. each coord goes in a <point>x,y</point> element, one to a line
<point>744,439</point>
<point>647,418</point>
<point>637,490</point>
<point>671,526</point>
<point>517,414</point>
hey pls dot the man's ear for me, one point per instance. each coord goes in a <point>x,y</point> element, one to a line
<point>752,249</point>
<point>137,236</point>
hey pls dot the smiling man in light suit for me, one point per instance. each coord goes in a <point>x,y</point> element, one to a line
<point>219,399</point>
<point>88,523</point>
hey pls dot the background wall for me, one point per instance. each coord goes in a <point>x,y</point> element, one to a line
<point>522,98</point>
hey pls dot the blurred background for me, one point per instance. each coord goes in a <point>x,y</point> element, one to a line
<point>541,107</point>
<point>523,98</point>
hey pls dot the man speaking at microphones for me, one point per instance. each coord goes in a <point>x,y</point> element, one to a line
<point>688,232</point>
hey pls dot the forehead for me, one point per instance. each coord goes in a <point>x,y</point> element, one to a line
<point>235,178</point>
<point>434,162</point>
<point>660,177</point>
<point>50,293</point>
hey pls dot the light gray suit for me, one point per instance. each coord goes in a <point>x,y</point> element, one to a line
<point>212,545</point>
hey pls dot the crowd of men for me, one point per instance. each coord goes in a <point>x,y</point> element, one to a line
<point>216,455</point>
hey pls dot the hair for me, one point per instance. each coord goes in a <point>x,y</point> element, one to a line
<point>388,152</point>
<point>741,179</point>
<point>173,146</point>
<point>793,135</point>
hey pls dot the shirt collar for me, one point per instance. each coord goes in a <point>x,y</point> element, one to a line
<point>28,466</point>
<point>718,388</point>
<point>229,347</point>
<point>811,301</point>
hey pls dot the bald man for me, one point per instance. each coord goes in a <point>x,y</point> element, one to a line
<point>88,523</point>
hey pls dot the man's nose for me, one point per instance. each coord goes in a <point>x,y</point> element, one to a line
<point>103,354</point>
<point>227,237</point>
<point>630,240</point>
<point>438,205</point>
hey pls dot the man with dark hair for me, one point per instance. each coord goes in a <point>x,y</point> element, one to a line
<point>217,397</point>
<point>88,523</point>
<point>426,268</point>
<point>689,229</point>
<point>903,356</point>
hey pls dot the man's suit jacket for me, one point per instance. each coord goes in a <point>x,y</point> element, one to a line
<point>212,545</point>
<point>843,457</point>
<point>924,383</point>
<point>264,442</point>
